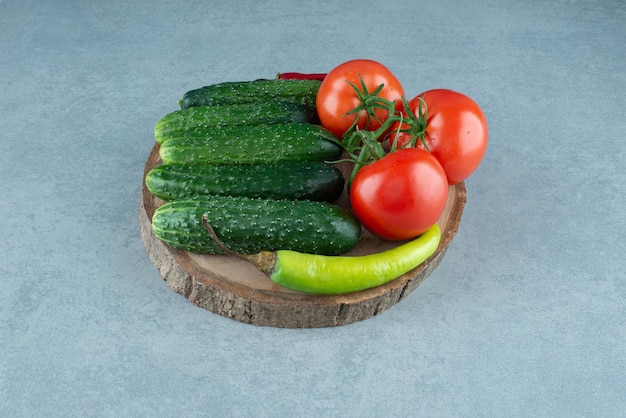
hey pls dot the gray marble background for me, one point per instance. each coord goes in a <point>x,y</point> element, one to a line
<point>524,317</point>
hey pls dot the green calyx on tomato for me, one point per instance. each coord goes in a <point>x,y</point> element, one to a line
<point>369,104</point>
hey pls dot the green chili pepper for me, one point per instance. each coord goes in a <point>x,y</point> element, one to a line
<point>331,275</point>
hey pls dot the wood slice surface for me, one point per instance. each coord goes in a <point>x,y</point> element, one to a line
<point>235,289</point>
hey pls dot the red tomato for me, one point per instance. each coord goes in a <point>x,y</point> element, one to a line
<point>336,97</point>
<point>401,195</point>
<point>456,131</point>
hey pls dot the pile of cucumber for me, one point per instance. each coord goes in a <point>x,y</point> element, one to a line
<point>252,158</point>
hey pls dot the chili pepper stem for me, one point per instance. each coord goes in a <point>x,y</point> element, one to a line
<point>264,261</point>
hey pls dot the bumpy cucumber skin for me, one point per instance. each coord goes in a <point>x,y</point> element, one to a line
<point>255,145</point>
<point>284,180</point>
<point>249,226</point>
<point>297,91</point>
<point>197,121</point>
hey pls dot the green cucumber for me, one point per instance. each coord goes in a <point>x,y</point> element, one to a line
<point>235,92</point>
<point>197,121</point>
<point>283,180</point>
<point>255,145</point>
<point>249,225</point>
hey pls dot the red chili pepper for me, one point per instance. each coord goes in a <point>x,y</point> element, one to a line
<point>301,76</point>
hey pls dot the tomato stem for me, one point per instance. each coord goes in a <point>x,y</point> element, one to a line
<point>364,146</point>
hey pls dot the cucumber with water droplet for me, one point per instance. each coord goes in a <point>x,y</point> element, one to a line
<point>197,122</point>
<point>235,92</point>
<point>311,180</point>
<point>255,145</point>
<point>250,225</point>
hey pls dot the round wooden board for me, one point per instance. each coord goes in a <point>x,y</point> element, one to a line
<point>235,289</point>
